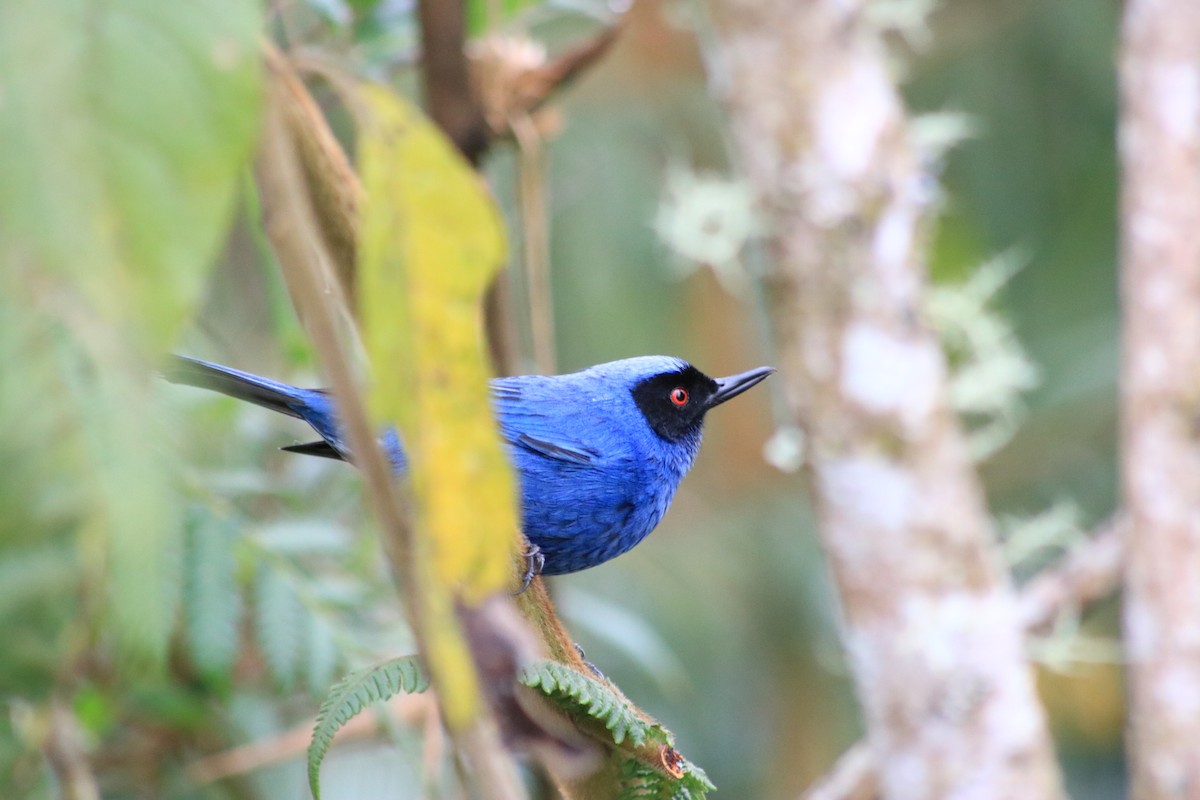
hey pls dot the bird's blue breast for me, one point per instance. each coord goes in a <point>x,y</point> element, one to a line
<point>595,480</point>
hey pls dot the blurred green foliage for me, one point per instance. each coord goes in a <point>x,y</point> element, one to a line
<point>184,588</point>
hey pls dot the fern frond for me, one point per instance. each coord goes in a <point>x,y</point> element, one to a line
<point>322,655</point>
<point>351,695</point>
<point>640,781</point>
<point>211,600</point>
<point>694,781</point>
<point>278,621</point>
<point>580,694</point>
<point>583,694</point>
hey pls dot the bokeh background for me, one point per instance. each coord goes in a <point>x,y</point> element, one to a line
<point>722,623</point>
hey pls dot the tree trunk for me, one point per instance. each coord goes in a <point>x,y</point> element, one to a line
<point>1160,383</point>
<point>930,623</point>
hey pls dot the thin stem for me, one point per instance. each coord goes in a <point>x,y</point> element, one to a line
<point>447,76</point>
<point>65,753</point>
<point>536,239</point>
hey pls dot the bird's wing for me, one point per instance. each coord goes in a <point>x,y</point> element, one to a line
<point>563,451</point>
<point>539,427</point>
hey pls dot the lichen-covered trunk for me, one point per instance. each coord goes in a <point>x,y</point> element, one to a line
<point>1160,386</point>
<point>931,626</point>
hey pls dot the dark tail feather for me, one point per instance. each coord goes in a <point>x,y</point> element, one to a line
<point>322,449</point>
<point>270,394</point>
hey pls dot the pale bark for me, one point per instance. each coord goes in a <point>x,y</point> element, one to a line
<point>1089,573</point>
<point>1160,388</point>
<point>931,625</point>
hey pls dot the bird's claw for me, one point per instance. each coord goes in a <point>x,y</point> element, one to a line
<point>588,664</point>
<point>535,561</point>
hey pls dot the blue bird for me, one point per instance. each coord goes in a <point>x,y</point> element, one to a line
<point>598,453</point>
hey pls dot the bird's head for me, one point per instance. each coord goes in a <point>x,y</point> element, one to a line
<point>674,396</point>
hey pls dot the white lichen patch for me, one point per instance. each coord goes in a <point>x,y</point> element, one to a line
<point>853,110</point>
<point>906,773</point>
<point>890,375</point>
<point>1143,629</point>
<point>1012,719</point>
<point>1149,224</point>
<point>1157,458</point>
<point>868,494</point>
<point>1151,365</point>
<point>961,632</point>
<point>1176,692</point>
<point>1173,91</point>
<point>892,251</point>
<point>950,689</point>
<point>1161,290</point>
<point>949,699</point>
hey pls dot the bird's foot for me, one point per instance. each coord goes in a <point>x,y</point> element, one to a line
<point>535,561</point>
<point>588,664</point>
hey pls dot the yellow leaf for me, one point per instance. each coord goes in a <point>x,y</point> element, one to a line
<point>431,242</point>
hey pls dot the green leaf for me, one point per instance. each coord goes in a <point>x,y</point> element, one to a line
<point>351,695</point>
<point>431,242</point>
<point>35,574</point>
<point>278,620</point>
<point>96,710</point>
<point>212,603</point>
<point>123,128</point>
<point>129,539</point>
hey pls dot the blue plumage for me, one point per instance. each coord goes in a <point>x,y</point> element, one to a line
<point>599,453</point>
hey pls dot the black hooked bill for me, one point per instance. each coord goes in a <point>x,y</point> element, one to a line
<point>730,387</point>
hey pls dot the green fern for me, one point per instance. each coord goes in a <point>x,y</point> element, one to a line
<point>351,695</point>
<point>578,693</point>
<point>212,604</point>
<point>321,655</point>
<point>640,781</point>
<point>584,694</point>
<point>694,785</point>
<point>279,622</point>
<point>132,511</point>
<point>293,624</point>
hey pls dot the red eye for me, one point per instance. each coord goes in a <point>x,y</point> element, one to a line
<point>679,396</point>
